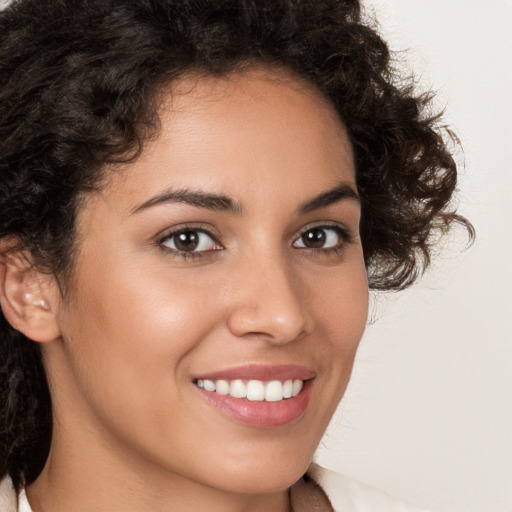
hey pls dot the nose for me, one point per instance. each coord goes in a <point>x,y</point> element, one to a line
<point>269,302</point>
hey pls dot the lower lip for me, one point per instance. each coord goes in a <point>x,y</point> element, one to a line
<point>261,414</point>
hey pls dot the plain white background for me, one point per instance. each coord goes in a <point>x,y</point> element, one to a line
<point>428,414</point>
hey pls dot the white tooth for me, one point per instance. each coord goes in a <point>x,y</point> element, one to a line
<point>255,391</point>
<point>222,387</point>
<point>200,383</point>
<point>297,387</point>
<point>209,385</point>
<point>274,391</point>
<point>288,389</point>
<point>237,389</point>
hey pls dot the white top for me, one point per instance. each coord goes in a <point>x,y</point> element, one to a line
<point>349,495</point>
<point>345,494</point>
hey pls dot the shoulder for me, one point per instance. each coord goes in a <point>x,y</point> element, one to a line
<point>9,500</point>
<point>348,494</point>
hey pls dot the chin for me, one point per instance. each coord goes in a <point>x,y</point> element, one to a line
<point>264,473</point>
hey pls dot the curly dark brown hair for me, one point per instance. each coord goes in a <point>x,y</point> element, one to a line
<point>79,82</point>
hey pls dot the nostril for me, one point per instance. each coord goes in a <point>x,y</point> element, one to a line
<point>267,323</point>
<point>269,301</point>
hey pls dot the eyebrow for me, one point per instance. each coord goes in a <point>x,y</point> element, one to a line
<point>207,201</point>
<point>335,195</point>
<point>221,203</point>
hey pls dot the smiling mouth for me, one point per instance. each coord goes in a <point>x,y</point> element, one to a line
<point>253,390</point>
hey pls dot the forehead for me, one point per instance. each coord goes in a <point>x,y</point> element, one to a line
<point>241,133</point>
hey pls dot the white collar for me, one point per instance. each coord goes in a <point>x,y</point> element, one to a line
<point>9,502</point>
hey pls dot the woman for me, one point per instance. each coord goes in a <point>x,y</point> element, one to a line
<point>195,199</point>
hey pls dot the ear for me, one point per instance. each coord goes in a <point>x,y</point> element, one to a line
<point>29,298</point>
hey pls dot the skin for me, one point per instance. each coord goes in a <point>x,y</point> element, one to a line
<point>131,430</point>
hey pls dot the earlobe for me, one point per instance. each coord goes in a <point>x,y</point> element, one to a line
<point>28,297</point>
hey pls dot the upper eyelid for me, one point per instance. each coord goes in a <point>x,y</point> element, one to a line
<point>203,228</point>
<point>325,225</point>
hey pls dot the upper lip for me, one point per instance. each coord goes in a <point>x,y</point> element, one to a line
<point>262,372</point>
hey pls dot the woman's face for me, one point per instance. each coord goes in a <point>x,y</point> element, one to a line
<point>229,251</point>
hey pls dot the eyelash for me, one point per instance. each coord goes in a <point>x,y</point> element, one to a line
<point>187,255</point>
<point>344,235</point>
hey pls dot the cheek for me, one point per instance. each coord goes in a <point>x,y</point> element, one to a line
<point>340,303</point>
<point>129,347</point>
<point>146,306</point>
<point>133,337</point>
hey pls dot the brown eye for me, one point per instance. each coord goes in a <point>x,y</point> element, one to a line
<point>314,238</point>
<point>186,241</point>
<point>190,240</point>
<point>322,237</point>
